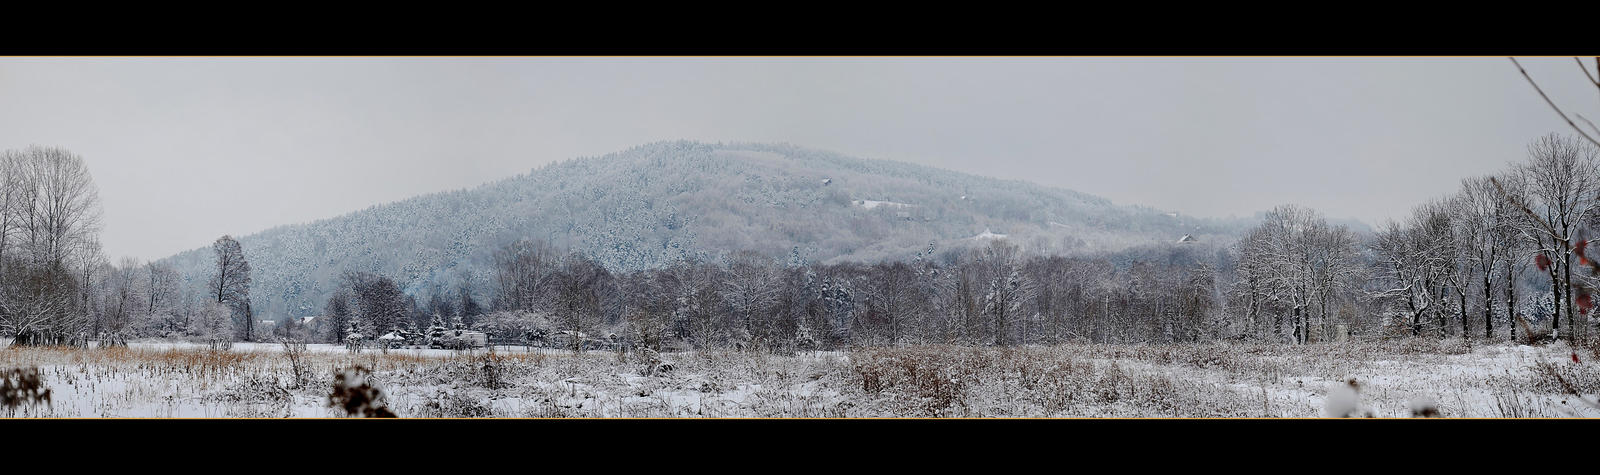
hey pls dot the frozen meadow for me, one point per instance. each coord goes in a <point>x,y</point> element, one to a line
<point>1394,379</point>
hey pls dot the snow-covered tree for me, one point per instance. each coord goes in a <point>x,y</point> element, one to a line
<point>49,252</point>
<point>1008,288</point>
<point>1562,182</point>
<point>750,289</point>
<point>216,325</point>
<point>1295,261</point>
<point>379,306</point>
<point>230,283</point>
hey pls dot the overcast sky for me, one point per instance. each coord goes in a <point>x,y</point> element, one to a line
<point>187,149</point>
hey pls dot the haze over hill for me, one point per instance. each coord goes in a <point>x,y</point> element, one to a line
<point>659,203</point>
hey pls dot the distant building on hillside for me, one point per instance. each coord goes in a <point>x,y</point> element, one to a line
<point>1188,238</point>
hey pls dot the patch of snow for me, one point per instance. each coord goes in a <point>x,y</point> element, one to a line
<point>870,204</point>
<point>1344,401</point>
<point>987,234</point>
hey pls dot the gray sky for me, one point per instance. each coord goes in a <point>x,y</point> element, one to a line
<point>188,149</point>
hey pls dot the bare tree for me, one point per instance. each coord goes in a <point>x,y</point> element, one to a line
<point>14,191</point>
<point>523,274</point>
<point>578,302</point>
<point>162,294</point>
<point>1562,181</point>
<point>1295,261</point>
<point>1488,226</point>
<point>751,287</point>
<point>894,295</point>
<point>230,286</point>
<point>338,314</point>
<point>1251,289</point>
<point>215,322</point>
<point>49,217</point>
<point>1334,265</point>
<point>62,212</point>
<point>378,304</point>
<point>1007,287</point>
<point>123,304</point>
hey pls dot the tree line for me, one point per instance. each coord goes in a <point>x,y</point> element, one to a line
<point>1503,257</point>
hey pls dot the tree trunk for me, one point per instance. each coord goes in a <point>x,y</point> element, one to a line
<point>1566,283</point>
<point>1511,301</point>
<point>1296,322</point>
<point>1416,317</point>
<point>1555,295</point>
<point>1440,312</point>
<point>1488,309</point>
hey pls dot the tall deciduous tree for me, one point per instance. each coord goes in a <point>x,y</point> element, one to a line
<point>1296,261</point>
<point>1007,287</point>
<point>893,294</point>
<point>750,289</point>
<point>523,275</point>
<point>1486,218</point>
<point>379,305</point>
<point>338,315</point>
<point>1562,181</point>
<point>578,303</point>
<point>49,219</point>
<point>162,294</point>
<point>230,285</point>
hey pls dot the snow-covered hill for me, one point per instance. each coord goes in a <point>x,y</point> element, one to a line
<point>662,202</point>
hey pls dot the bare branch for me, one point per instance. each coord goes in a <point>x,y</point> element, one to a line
<point>1523,207</point>
<point>1553,104</point>
<point>1586,71</point>
<point>1586,121</point>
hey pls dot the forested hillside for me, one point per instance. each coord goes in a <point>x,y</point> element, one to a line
<point>667,202</point>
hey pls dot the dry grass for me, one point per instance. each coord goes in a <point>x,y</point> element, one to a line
<point>1074,380</point>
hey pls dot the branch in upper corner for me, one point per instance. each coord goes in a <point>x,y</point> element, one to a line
<point>1586,71</point>
<point>1553,104</point>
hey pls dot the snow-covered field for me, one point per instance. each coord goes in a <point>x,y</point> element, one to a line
<point>172,379</point>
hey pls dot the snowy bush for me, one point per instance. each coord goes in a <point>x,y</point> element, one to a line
<point>1566,378</point>
<point>453,403</point>
<point>256,396</point>
<point>294,350</point>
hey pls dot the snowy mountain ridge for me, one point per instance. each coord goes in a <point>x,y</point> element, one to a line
<point>663,202</point>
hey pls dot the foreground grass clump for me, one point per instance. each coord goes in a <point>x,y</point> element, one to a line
<point>1061,381</point>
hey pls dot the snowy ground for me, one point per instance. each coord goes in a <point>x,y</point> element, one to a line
<point>173,379</point>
